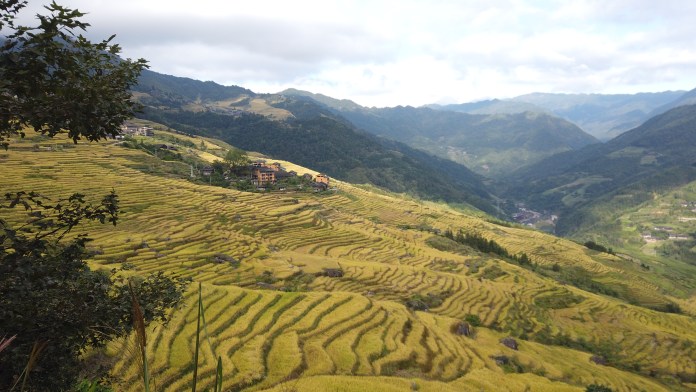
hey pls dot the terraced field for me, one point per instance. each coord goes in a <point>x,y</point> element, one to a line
<point>337,328</point>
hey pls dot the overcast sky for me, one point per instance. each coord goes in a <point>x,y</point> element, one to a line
<point>388,53</point>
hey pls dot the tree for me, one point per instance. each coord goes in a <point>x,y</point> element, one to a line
<point>236,157</point>
<point>49,298</point>
<point>54,80</point>
<point>52,305</point>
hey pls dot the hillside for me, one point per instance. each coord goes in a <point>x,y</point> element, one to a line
<point>661,229</point>
<point>308,134</point>
<point>281,323</point>
<point>689,98</point>
<point>654,157</point>
<point>603,116</point>
<point>491,145</point>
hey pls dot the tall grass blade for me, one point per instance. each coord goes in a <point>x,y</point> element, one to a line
<point>218,376</point>
<point>198,336</point>
<point>140,336</point>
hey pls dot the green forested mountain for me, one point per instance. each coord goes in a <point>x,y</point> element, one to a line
<point>654,157</point>
<point>161,86</point>
<point>491,145</point>
<point>304,132</point>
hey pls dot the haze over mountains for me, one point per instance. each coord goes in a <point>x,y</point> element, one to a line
<point>602,116</point>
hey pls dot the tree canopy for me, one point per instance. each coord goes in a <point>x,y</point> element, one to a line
<point>54,80</point>
<point>52,305</point>
<point>236,157</point>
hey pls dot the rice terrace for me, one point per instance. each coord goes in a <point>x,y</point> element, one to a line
<point>279,321</point>
<point>162,233</point>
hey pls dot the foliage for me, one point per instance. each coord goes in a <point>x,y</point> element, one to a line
<point>599,248</point>
<point>236,157</point>
<point>669,307</point>
<point>53,79</point>
<point>473,319</point>
<point>155,149</point>
<point>49,296</point>
<point>477,241</point>
<point>299,281</point>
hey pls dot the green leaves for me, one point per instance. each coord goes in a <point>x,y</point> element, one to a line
<point>49,294</point>
<point>60,218</point>
<point>55,80</point>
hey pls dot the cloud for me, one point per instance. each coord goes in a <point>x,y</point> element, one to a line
<point>411,52</point>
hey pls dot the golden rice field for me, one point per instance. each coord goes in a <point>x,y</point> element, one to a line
<point>351,333</point>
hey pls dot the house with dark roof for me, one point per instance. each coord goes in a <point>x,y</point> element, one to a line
<point>262,176</point>
<point>207,171</point>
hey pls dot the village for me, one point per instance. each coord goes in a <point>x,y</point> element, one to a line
<point>528,217</point>
<point>264,176</point>
<point>662,233</point>
<point>244,174</point>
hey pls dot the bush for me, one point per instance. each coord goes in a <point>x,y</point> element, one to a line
<point>473,319</point>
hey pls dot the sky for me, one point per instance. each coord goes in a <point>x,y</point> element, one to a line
<point>408,52</point>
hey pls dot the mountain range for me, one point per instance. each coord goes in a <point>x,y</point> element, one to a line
<point>307,133</point>
<point>491,145</point>
<point>603,116</point>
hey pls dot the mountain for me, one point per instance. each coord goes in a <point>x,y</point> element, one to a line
<point>492,106</point>
<point>653,157</point>
<point>161,86</point>
<point>333,103</point>
<point>689,98</point>
<point>307,133</point>
<point>603,116</point>
<point>491,145</point>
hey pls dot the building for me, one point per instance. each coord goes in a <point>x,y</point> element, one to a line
<point>322,178</point>
<point>134,130</point>
<point>320,186</point>
<point>207,171</point>
<point>275,166</point>
<point>262,176</point>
